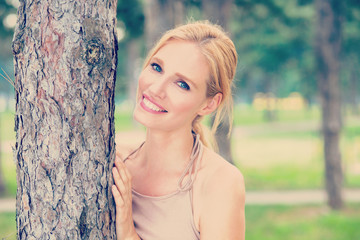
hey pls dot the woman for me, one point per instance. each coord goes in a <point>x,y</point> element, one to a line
<point>172,186</point>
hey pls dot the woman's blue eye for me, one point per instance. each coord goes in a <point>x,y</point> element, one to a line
<point>156,67</point>
<point>183,85</point>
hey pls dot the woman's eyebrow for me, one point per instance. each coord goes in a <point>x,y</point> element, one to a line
<point>158,60</point>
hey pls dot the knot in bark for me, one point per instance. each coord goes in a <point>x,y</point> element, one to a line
<point>94,52</point>
<point>16,47</point>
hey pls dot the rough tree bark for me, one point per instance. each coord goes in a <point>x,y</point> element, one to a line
<point>65,56</point>
<point>327,48</point>
<point>218,12</point>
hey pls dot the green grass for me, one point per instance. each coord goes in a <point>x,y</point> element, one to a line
<point>246,115</point>
<point>9,174</point>
<point>7,226</point>
<point>283,177</point>
<point>302,222</point>
<point>7,126</point>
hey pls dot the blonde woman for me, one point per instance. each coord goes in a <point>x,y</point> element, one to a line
<point>174,186</point>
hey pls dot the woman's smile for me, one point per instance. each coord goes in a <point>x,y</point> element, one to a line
<point>151,106</point>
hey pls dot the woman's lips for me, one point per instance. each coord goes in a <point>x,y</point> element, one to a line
<point>151,106</point>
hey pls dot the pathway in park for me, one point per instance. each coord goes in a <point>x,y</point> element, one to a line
<point>295,197</point>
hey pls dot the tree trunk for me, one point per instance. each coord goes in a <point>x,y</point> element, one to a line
<point>219,12</point>
<point>270,110</point>
<point>353,90</point>
<point>65,56</point>
<point>328,47</point>
<point>161,15</point>
<point>133,68</point>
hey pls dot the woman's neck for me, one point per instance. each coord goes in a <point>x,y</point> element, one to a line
<point>167,150</point>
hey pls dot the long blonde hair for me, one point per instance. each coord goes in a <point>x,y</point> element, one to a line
<point>221,56</point>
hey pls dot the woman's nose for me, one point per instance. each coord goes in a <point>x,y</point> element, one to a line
<point>158,87</point>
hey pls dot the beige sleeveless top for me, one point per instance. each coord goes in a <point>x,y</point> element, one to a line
<point>169,217</point>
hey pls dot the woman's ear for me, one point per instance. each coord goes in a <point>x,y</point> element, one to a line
<point>211,105</point>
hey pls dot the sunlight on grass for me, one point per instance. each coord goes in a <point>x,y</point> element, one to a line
<point>7,226</point>
<point>302,222</point>
<point>7,126</point>
<point>9,174</point>
<point>284,177</point>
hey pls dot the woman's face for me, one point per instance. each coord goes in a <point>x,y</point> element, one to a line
<point>172,88</point>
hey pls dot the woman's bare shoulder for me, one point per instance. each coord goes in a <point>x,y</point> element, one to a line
<point>217,169</point>
<point>222,198</point>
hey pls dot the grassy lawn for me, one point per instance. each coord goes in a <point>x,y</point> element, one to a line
<point>312,222</point>
<point>7,226</point>
<point>302,222</point>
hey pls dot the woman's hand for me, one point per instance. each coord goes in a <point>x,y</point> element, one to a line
<point>123,200</point>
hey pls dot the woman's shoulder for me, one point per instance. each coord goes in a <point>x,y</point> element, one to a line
<point>221,197</point>
<point>219,172</point>
<point>220,182</point>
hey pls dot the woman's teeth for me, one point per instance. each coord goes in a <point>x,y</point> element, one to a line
<point>152,106</point>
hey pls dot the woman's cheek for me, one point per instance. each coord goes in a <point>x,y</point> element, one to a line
<point>181,102</point>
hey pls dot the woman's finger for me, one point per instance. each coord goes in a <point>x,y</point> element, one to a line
<point>124,173</point>
<point>119,202</point>
<point>119,181</point>
<point>128,176</point>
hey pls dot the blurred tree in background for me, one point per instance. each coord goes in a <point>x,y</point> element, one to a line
<point>219,12</point>
<point>327,50</point>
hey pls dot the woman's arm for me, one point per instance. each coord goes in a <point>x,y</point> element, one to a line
<point>123,199</point>
<point>223,212</point>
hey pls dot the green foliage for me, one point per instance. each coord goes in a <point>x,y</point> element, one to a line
<point>5,9</point>
<point>132,15</point>
<point>274,43</point>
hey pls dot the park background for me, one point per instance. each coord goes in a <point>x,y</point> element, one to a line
<point>276,141</point>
